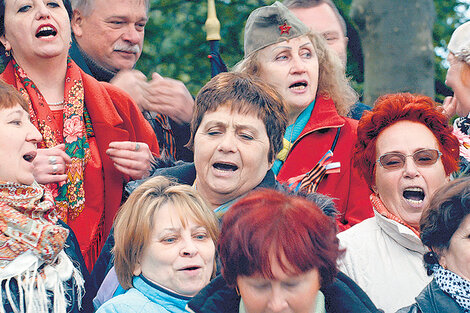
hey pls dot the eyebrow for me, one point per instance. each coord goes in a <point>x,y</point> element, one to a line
<point>290,48</point>
<point>123,17</point>
<point>19,111</point>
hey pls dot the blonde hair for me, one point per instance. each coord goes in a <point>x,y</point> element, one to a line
<point>135,221</point>
<point>332,81</point>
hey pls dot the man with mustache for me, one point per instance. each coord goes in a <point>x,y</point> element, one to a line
<point>108,36</point>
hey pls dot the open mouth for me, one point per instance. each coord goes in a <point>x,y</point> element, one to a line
<point>190,268</point>
<point>298,85</point>
<point>225,167</point>
<point>46,31</point>
<point>414,195</point>
<point>29,157</point>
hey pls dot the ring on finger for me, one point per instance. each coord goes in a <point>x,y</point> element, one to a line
<point>52,160</point>
<point>55,168</point>
<point>137,146</point>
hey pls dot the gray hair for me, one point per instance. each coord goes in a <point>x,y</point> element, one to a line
<point>294,4</point>
<point>86,7</point>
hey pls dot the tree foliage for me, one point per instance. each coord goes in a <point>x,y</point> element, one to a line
<point>175,44</point>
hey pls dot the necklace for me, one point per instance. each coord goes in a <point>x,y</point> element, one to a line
<point>55,106</point>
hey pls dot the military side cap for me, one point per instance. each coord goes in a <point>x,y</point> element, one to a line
<point>269,25</point>
<point>459,43</point>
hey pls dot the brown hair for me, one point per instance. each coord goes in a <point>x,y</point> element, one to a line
<point>134,222</point>
<point>9,97</point>
<point>449,206</point>
<point>332,81</point>
<point>244,94</point>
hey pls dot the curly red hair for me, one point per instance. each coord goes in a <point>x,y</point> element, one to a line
<point>393,108</point>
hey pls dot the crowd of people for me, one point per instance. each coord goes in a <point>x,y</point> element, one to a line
<point>273,190</point>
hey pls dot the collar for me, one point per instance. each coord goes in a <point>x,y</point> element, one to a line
<point>93,68</point>
<point>403,235</point>
<point>160,295</point>
<point>324,115</point>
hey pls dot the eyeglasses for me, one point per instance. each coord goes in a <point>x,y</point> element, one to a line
<point>396,160</point>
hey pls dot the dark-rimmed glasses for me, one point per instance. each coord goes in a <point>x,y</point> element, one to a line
<point>396,160</point>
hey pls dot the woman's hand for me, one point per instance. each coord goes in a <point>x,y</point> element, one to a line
<point>131,158</point>
<point>50,165</point>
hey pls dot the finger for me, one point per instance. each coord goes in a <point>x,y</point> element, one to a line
<point>47,179</point>
<point>59,151</point>
<point>125,145</point>
<point>134,174</point>
<point>156,76</point>
<point>56,169</point>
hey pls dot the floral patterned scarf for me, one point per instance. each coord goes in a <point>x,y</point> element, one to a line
<point>28,222</point>
<point>69,196</point>
<point>32,255</point>
<point>462,132</point>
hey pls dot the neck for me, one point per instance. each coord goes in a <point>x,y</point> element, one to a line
<point>213,199</point>
<point>48,75</point>
<point>292,117</point>
<point>99,72</point>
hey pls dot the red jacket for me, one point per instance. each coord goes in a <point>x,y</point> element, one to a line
<point>347,188</point>
<point>115,117</point>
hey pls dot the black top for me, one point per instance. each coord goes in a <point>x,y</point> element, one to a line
<point>343,295</point>
<point>433,300</point>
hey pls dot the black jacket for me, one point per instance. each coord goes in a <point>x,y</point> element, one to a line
<point>342,296</point>
<point>433,300</point>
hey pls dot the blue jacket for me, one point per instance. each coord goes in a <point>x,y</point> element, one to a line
<point>145,297</point>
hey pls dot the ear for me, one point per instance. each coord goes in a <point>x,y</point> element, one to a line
<point>137,270</point>
<point>76,23</point>
<point>5,43</point>
<point>374,189</point>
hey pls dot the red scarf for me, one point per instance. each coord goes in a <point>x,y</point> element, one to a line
<point>69,196</point>
<point>378,205</point>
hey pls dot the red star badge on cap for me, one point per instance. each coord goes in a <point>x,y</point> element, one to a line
<point>285,28</point>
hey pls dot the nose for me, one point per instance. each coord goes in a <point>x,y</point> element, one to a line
<point>227,143</point>
<point>298,65</point>
<point>132,35</point>
<point>34,135</point>
<point>42,11</point>
<point>410,169</point>
<point>277,303</point>
<point>189,248</point>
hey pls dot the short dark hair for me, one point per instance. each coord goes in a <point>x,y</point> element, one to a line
<point>294,4</point>
<point>449,206</point>
<point>268,225</point>
<point>244,94</point>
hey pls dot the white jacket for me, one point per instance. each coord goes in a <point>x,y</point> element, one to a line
<point>385,259</point>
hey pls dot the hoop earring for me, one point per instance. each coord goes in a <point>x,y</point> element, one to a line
<point>7,53</point>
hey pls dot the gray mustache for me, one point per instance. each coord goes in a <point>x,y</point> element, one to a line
<point>127,48</point>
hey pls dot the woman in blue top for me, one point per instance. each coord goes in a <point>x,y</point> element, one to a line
<point>165,248</point>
